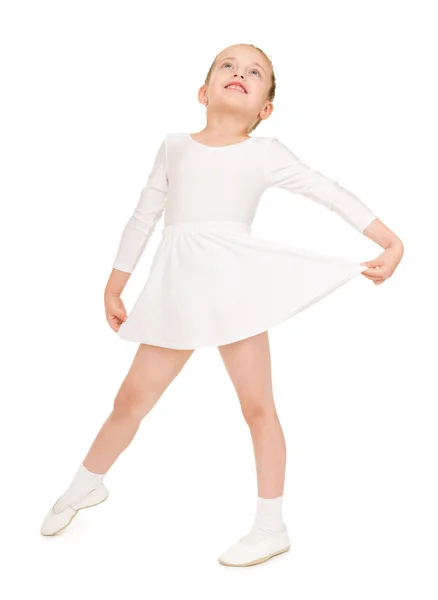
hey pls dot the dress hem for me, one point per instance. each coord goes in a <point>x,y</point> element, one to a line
<point>326,292</point>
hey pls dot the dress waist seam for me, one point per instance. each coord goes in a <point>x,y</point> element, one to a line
<point>208,225</point>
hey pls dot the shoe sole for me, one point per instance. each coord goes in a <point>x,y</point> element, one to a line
<point>73,516</point>
<point>255,562</point>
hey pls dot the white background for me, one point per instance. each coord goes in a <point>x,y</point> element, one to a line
<point>88,91</point>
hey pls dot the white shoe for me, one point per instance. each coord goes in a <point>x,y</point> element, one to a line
<point>255,547</point>
<point>55,521</point>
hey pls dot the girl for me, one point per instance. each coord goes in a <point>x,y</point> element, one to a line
<point>213,283</point>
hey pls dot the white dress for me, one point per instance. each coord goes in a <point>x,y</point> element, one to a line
<point>211,281</point>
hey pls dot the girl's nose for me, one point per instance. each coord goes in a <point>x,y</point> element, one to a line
<point>242,76</point>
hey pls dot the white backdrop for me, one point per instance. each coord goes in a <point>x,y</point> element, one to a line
<point>88,91</point>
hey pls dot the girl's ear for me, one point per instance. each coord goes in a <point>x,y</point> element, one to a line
<point>267,111</point>
<point>202,95</point>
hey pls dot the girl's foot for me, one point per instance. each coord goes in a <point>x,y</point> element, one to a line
<point>256,547</point>
<point>56,520</point>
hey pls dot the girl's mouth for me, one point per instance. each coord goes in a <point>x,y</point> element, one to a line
<point>236,87</point>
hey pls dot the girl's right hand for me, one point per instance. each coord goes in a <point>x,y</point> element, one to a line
<point>115,311</point>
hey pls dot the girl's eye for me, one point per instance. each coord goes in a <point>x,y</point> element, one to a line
<point>252,70</point>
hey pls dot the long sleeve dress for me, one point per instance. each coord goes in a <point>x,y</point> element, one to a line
<point>211,281</point>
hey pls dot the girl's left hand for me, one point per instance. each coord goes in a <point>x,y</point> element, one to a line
<point>384,265</point>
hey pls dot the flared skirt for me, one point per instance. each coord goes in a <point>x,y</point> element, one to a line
<point>213,283</point>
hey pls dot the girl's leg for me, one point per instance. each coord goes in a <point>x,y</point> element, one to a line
<point>151,372</point>
<point>248,364</point>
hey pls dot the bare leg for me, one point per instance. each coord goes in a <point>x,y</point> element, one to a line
<point>248,364</point>
<point>151,372</point>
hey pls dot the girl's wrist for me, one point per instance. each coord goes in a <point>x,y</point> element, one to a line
<point>116,283</point>
<point>112,293</point>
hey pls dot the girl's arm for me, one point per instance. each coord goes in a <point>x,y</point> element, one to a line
<point>116,282</point>
<point>141,224</point>
<point>286,170</point>
<point>382,235</point>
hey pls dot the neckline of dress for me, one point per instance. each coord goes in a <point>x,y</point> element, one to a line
<point>218,147</point>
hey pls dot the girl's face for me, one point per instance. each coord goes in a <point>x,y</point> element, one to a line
<point>246,68</point>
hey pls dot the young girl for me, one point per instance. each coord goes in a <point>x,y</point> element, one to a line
<point>213,283</point>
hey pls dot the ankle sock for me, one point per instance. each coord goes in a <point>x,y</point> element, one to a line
<point>83,482</point>
<point>269,515</point>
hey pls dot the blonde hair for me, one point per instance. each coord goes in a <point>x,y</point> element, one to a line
<point>271,92</point>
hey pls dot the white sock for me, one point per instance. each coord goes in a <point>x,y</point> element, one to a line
<point>83,482</point>
<point>269,515</point>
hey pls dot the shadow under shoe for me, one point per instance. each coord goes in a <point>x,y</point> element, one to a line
<point>56,521</point>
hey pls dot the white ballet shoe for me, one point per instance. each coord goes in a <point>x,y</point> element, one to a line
<point>56,521</point>
<point>255,547</point>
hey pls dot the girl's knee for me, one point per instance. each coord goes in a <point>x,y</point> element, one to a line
<point>257,411</point>
<point>131,402</point>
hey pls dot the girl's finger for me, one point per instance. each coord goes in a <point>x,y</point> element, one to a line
<point>377,281</point>
<point>377,270</point>
<point>372,277</point>
<point>372,263</point>
<point>115,322</point>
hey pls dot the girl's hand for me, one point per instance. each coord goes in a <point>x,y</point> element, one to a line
<point>114,310</point>
<point>384,265</point>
